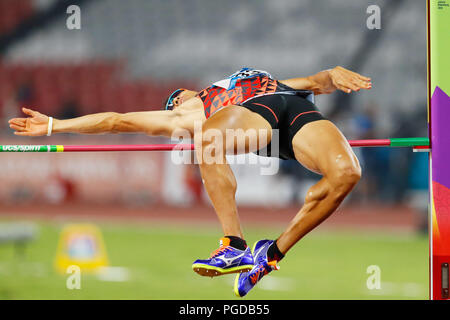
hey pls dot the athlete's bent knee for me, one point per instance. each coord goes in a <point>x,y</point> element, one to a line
<point>345,176</point>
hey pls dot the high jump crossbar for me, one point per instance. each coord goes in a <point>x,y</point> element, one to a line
<point>392,142</point>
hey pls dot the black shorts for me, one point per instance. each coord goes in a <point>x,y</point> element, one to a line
<point>286,112</point>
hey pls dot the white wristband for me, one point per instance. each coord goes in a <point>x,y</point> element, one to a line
<point>50,126</point>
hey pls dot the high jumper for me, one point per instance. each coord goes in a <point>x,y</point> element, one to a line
<point>247,101</point>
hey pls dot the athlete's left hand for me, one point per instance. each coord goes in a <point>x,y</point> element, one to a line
<point>348,81</point>
<point>36,124</point>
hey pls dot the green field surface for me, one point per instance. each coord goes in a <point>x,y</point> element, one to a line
<point>155,261</point>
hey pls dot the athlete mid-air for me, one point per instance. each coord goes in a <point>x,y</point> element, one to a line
<point>249,100</point>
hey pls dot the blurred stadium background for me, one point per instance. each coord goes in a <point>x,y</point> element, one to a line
<point>154,215</point>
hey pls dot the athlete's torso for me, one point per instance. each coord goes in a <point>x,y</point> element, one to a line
<point>240,87</point>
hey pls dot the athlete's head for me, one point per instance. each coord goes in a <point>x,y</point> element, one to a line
<point>178,97</point>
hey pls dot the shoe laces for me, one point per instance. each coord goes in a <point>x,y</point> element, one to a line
<point>219,251</point>
<point>262,270</point>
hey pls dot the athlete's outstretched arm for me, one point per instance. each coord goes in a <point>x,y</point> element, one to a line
<point>328,81</point>
<point>149,122</point>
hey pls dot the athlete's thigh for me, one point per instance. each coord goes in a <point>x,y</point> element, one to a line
<point>321,147</point>
<point>242,130</point>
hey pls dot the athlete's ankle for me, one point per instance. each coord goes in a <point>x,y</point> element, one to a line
<point>237,242</point>
<point>274,253</point>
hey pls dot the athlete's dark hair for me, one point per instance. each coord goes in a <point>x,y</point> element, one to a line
<point>168,105</point>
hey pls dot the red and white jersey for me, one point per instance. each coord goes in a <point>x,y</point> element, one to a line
<point>240,87</point>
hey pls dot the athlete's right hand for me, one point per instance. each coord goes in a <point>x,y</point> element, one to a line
<point>348,81</point>
<point>36,124</point>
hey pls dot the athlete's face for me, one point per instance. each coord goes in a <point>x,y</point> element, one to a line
<point>183,97</point>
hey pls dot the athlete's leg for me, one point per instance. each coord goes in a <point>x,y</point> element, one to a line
<point>322,148</point>
<point>217,176</point>
<point>232,130</point>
